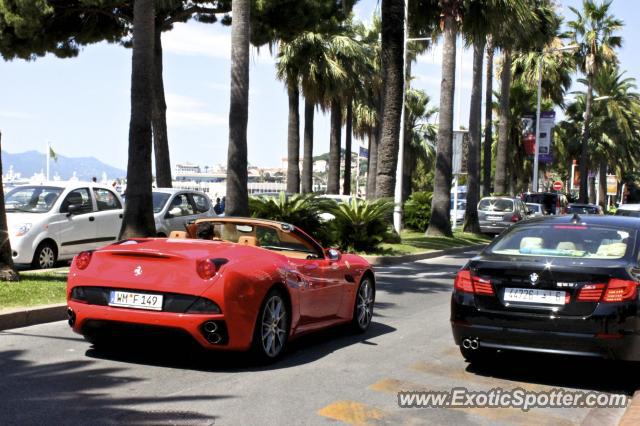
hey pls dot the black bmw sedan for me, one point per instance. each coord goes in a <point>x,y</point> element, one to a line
<point>563,284</point>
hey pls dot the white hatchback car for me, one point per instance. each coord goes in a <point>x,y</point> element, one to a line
<point>57,220</point>
<point>175,208</point>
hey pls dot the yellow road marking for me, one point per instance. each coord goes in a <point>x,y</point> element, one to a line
<point>351,412</point>
<point>514,415</point>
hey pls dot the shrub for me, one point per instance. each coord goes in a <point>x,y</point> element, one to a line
<point>417,211</point>
<point>301,210</point>
<point>361,225</point>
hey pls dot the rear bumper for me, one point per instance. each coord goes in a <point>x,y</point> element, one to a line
<point>91,318</point>
<point>493,227</point>
<point>611,337</point>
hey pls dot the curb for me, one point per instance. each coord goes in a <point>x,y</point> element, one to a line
<point>22,317</point>
<point>396,260</point>
<point>631,415</point>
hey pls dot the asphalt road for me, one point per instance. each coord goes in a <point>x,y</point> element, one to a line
<point>49,375</point>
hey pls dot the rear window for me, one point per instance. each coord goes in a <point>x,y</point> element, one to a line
<point>565,240</point>
<point>495,205</point>
<point>582,209</point>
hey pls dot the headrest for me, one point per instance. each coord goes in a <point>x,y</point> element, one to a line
<point>247,240</point>
<point>178,234</point>
<point>531,242</point>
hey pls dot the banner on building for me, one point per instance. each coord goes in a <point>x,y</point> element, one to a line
<point>460,151</point>
<point>612,185</point>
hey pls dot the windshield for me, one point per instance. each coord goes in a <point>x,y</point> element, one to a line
<point>583,241</point>
<point>495,205</point>
<point>159,200</point>
<point>32,199</point>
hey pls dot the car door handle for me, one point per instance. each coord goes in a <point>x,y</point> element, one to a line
<point>91,219</point>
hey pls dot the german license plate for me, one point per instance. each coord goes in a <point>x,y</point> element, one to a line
<point>529,295</point>
<point>136,300</point>
<point>494,218</point>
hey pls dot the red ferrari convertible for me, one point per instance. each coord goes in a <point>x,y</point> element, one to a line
<point>230,283</point>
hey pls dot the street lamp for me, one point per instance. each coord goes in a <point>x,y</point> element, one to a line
<point>534,185</point>
<point>397,199</point>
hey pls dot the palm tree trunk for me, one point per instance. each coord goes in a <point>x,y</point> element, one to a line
<point>392,51</point>
<point>372,164</point>
<point>603,185</point>
<point>307,159</point>
<point>584,148</point>
<point>237,202</point>
<point>592,190</point>
<point>333,182</point>
<point>293,140</point>
<point>440,223</point>
<point>7,269</point>
<point>500,185</point>
<point>346,186</point>
<point>471,223</point>
<point>138,213</point>
<point>488,120</point>
<point>159,118</point>
<point>407,164</point>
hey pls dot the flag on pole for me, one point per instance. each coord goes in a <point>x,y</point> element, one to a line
<point>363,152</point>
<point>52,154</point>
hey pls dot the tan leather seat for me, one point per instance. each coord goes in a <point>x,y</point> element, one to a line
<point>247,241</point>
<point>531,243</point>
<point>178,234</point>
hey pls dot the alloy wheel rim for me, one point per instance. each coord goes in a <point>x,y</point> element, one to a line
<point>46,257</point>
<point>365,304</point>
<point>274,320</point>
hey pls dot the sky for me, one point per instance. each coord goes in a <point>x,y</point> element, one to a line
<point>82,105</point>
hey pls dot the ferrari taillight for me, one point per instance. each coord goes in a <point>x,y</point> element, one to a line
<point>83,259</point>
<point>468,283</point>
<point>206,268</point>
<point>617,291</point>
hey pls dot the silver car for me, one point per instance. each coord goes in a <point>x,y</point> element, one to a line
<point>174,208</point>
<point>498,213</point>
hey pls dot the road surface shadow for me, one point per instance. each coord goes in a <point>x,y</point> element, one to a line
<point>563,371</point>
<point>77,392</point>
<point>423,279</point>
<point>183,352</point>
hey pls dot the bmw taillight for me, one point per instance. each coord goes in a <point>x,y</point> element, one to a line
<point>83,259</point>
<point>468,283</point>
<point>515,218</point>
<point>206,268</point>
<point>620,290</point>
<point>616,291</point>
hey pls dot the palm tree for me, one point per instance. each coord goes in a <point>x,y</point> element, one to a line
<point>237,203</point>
<point>159,117</point>
<point>7,269</point>
<point>392,63</point>
<point>488,119</point>
<point>138,213</point>
<point>440,224</point>
<point>594,32</point>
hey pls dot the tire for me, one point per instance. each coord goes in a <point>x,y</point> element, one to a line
<point>271,331</point>
<point>363,305</point>
<point>45,256</point>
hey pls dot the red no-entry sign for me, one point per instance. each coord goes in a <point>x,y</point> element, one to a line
<point>557,185</point>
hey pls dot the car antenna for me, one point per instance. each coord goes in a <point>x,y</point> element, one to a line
<point>576,219</point>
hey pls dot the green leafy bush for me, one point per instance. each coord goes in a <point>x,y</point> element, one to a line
<point>417,211</point>
<point>361,225</point>
<point>301,210</point>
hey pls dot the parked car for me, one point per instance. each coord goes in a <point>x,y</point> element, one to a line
<point>58,220</point>
<point>584,209</point>
<point>561,285</point>
<point>535,209</point>
<point>462,207</point>
<point>632,210</point>
<point>553,202</point>
<point>498,213</point>
<point>173,209</point>
<point>229,283</point>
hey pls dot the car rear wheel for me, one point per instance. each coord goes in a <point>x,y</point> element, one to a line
<point>45,256</point>
<point>272,327</point>
<point>363,308</point>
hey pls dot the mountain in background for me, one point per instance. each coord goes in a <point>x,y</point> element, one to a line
<point>32,162</point>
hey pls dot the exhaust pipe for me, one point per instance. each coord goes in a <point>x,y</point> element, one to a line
<point>214,338</point>
<point>470,344</point>
<point>210,327</point>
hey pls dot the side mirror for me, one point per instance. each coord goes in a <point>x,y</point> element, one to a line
<point>333,255</point>
<point>74,209</point>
